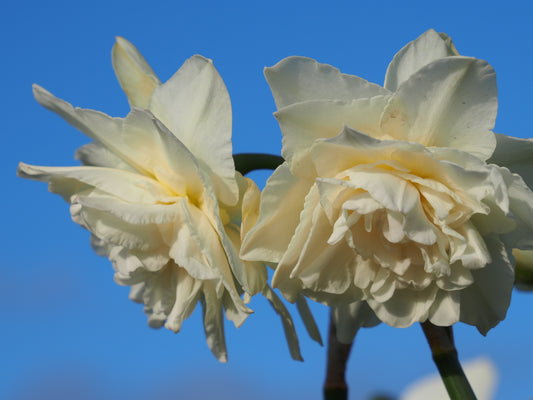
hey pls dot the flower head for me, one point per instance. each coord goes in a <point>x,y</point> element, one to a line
<point>160,195</point>
<point>386,195</point>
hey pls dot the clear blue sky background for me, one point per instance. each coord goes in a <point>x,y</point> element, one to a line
<point>69,332</point>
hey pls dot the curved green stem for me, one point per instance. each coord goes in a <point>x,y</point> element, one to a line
<point>444,354</point>
<point>247,162</point>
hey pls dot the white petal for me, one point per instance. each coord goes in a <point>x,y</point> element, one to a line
<point>303,123</point>
<point>450,102</point>
<point>428,47</point>
<point>125,185</point>
<point>446,308</point>
<point>281,203</point>
<point>136,77</point>
<point>194,105</point>
<point>97,155</point>
<point>297,79</point>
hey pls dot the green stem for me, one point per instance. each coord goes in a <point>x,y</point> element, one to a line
<point>444,354</point>
<point>335,387</point>
<point>247,162</point>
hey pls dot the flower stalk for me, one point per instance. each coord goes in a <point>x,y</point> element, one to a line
<point>247,162</point>
<point>335,387</point>
<point>440,340</point>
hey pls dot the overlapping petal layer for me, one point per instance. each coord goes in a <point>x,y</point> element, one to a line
<point>387,192</point>
<point>160,195</point>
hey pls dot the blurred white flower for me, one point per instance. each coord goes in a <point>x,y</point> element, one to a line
<point>386,195</point>
<point>481,373</point>
<point>161,197</point>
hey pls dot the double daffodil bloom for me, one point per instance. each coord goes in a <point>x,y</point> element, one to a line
<point>398,196</point>
<point>160,195</point>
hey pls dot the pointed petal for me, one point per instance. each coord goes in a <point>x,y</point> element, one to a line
<point>428,47</point>
<point>286,319</point>
<point>214,323</point>
<point>195,106</point>
<point>450,102</point>
<point>297,79</point>
<point>187,295</point>
<point>308,319</point>
<point>133,72</point>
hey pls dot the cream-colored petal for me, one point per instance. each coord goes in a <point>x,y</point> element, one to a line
<point>450,102</point>
<point>95,154</point>
<point>515,154</point>
<point>195,106</point>
<point>446,308</point>
<point>134,74</point>
<point>67,181</point>
<point>303,123</point>
<point>286,319</point>
<point>428,47</point>
<point>297,79</point>
<point>405,307</point>
<point>281,203</point>
<point>188,291</point>
<point>159,296</point>
<point>96,125</point>
<point>484,303</point>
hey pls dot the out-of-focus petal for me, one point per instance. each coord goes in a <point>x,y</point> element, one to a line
<point>515,154</point>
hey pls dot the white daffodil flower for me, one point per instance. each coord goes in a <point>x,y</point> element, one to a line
<point>159,192</point>
<point>400,196</point>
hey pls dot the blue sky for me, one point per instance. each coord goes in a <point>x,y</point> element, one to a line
<point>68,331</point>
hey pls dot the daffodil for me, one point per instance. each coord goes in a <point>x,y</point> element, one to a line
<point>389,195</point>
<point>160,195</point>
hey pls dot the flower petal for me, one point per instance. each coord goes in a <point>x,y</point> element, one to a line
<point>297,79</point>
<point>281,203</point>
<point>286,319</point>
<point>214,322</point>
<point>484,303</point>
<point>195,106</point>
<point>515,154</point>
<point>450,102</point>
<point>134,74</point>
<point>308,319</point>
<point>428,47</point>
<point>303,123</point>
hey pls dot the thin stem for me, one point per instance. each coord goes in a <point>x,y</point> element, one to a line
<point>247,162</point>
<point>335,387</point>
<point>444,354</point>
